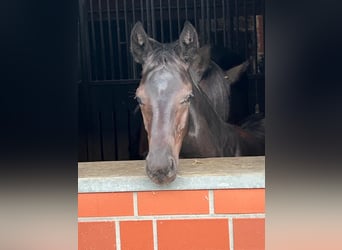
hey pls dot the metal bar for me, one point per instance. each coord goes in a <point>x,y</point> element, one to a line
<point>186,9</point>
<point>86,71</point>
<point>153,19</point>
<point>111,55</point>
<point>161,21</point>
<point>103,59</point>
<point>215,20</point>
<point>195,13</point>
<point>118,36</point>
<point>84,42</point>
<point>129,69</point>
<point>237,25</point>
<point>263,32</point>
<point>148,15</point>
<point>133,11</point>
<point>133,63</point>
<point>79,62</point>
<point>208,23</point>
<point>255,45</point>
<point>100,135</point>
<point>88,74</point>
<point>170,20</point>
<point>115,126</point>
<point>178,18</point>
<point>224,22</point>
<point>246,27</point>
<point>142,11</point>
<point>202,23</point>
<point>93,39</point>
<point>81,56</point>
<point>230,21</point>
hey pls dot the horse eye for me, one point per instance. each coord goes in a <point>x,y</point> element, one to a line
<point>138,100</point>
<point>187,98</point>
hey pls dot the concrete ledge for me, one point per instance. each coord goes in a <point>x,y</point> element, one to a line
<point>208,173</point>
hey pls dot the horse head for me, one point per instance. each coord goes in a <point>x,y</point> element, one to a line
<point>164,96</point>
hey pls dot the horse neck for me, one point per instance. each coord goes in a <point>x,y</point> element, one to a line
<point>207,128</point>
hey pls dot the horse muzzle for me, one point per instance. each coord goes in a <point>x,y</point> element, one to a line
<point>161,167</point>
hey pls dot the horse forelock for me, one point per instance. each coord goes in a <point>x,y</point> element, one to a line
<point>163,56</point>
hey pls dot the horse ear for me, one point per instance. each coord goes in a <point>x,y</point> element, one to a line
<point>188,41</point>
<point>140,43</point>
<point>233,75</point>
<point>201,60</point>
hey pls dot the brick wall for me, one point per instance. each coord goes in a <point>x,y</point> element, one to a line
<point>231,219</point>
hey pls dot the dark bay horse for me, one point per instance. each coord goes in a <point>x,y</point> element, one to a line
<point>215,83</point>
<point>179,117</point>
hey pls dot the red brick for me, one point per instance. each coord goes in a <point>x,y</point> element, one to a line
<point>136,235</point>
<point>249,234</point>
<point>173,202</point>
<point>239,201</point>
<point>96,236</point>
<point>198,234</point>
<point>105,204</point>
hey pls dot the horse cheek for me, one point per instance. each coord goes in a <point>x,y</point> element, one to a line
<point>181,128</point>
<point>147,121</point>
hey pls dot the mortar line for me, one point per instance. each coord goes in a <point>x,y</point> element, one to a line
<point>135,203</point>
<point>231,233</point>
<point>117,235</point>
<point>172,217</point>
<point>155,235</point>
<point>211,202</point>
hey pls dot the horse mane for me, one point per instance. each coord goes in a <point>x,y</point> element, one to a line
<point>162,56</point>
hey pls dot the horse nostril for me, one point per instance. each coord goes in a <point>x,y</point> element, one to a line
<point>172,164</point>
